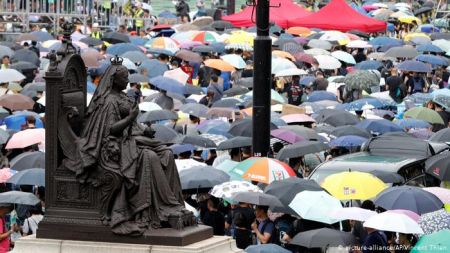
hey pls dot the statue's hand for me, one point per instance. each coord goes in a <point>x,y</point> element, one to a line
<point>134,112</point>
<point>149,132</point>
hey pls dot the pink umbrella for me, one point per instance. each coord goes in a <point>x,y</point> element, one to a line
<point>286,135</point>
<point>26,138</point>
<point>297,118</point>
<point>442,193</point>
<point>190,44</point>
<point>5,174</point>
<point>408,213</point>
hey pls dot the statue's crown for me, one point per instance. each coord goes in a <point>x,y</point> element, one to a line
<point>116,60</point>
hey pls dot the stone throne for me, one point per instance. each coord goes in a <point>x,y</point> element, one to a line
<point>73,208</point>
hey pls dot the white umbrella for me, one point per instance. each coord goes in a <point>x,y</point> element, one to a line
<point>393,222</point>
<point>227,189</point>
<point>317,51</point>
<point>291,72</point>
<point>442,44</point>
<point>343,56</point>
<point>328,62</point>
<point>315,206</point>
<point>149,106</point>
<point>129,64</point>
<point>10,75</point>
<point>177,74</point>
<point>322,44</point>
<point>358,44</point>
<point>234,60</point>
<point>352,213</point>
<point>334,36</point>
<point>279,64</point>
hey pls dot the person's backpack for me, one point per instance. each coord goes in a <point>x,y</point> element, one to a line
<point>280,229</point>
<point>273,236</point>
<point>417,84</point>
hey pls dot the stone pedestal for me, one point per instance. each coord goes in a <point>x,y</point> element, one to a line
<point>31,244</point>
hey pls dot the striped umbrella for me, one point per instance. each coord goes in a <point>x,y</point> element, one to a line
<point>206,37</point>
<point>163,43</point>
<point>262,169</point>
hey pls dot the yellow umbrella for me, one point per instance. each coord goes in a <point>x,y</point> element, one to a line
<point>240,37</point>
<point>353,185</point>
<point>409,19</point>
<point>410,36</point>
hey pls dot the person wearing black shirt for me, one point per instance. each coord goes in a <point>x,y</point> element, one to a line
<point>214,218</point>
<point>360,56</point>
<point>241,219</point>
<point>394,84</point>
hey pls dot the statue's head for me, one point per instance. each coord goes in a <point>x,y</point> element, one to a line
<point>120,78</point>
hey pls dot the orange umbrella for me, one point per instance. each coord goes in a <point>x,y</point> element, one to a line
<point>26,138</point>
<point>299,31</point>
<point>283,54</point>
<point>219,64</point>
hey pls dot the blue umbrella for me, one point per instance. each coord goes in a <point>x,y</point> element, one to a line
<point>432,59</point>
<point>429,28</point>
<point>181,148</point>
<point>414,66</point>
<point>429,48</point>
<point>379,126</point>
<point>158,51</point>
<point>16,122</point>
<point>368,65</point>
<point>138,41</point>
<point>35,176</point>
<point>168,84</point>
<point>154,67</point>
<point>412,123</point>
<point>348,141</point>
<point>121,48</point>
<point>385,41</point>
<point>42,36</point>
<point>213,124</point>
<point>441,92</point>
<point>218,47</point>
<point>321,95</point>
<point>266,248</point>
<point>135,56</point>
<point>167,14</point>
<point>358,104</point>
<point>306,80</point>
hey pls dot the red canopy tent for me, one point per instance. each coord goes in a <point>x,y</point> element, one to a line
<point>338,15</point>
<point>280,16</point>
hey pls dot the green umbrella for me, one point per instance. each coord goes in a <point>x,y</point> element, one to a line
<point>361,79</point>
<point>436,242</point>
<point>425,114</point>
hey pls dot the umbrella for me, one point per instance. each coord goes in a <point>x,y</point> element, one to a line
<point>203,21</point>
<point>300,149</point>
<point>229,103</point>
<point>323,237</point>
<point>437,166</point>
<point>442,193</point>
<point>328,62</point>
<point>26,36</point>
<point>92,42</point>
<point>228,189</point>
<point>235,142</point>
<point>368,65</point>
<point>244,127</point>
<point>168,84</point>
<point>6,174</point>
<point>257,198</point>
<point>28,160</point>
<point>234,60</point>
<point>42,36</point>
<point>415,66</point>
<point>362,104</point>
<point>422,10</point>
<point>4,50</point>
<point>350,130</point>
<point>203,49</point>
<point>393,222</point>
<point>320,44</point>
<point>154,67</point>
<point>266,248</point>
<point>206,37</point>
<point>385,41</point>
<point>336,117</point>
<point>198,141</point>
<point>34,176</point>
<point>286,135</point>
<point>429,48</point>
<point>442,44</point>
<point>219,65</point>
<point>350,185</point>
<point>408,197</point>
<point>4,136</point>
<point>164,133</point>
<point>348,141</point>
<point>315,206</point>
<point>194,109</point>
<point>425,114</point>
<point>122,48</point>
<point>26,138</point>
<point>414,216</point>
<point>379,126</point>
<point>436,221</point>
<point>188,56</point>
<point>264,170</point>
<point>213,125</point>
<point>138,78</point>
<point>235,91</point>
<point>221,25</point>
<point>432,242</point>
<point>297,118</point>
<point>352,213</point>
<point>361,79</point>
<point>164,43</point>
<point>285,190</point>
<point>291,72</point>
<point>202,177</point>
<point>90,60</point>
<point>409,123</point>
<point>115,37</point>
<point>442,100</point>
<point>321,95</point>
<point>302,131</point>
<point>343,56</point>
<point>303,57</point>
<point>16,101</point>
<point>135,56</point>
<point>157,115</point>
<point>442,135</point>
<point>281,64</point>
<point>10,75</point>
<point>18,197</point>
<point>402,52</point>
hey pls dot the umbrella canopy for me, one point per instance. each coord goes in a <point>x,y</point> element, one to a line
<point>197,110</point>
<point>409,123</point>
<point>290,72</point>
<point>436,221</point>
<point>4,50</point>
<point>350,130</point>
<point>244,127</point>
<point>414,66</point>
<point>168,84</point>
<point>164,133</point>
<point>135,56</point>
<point>353,185</point>
<point>138,78</point>
<point>315,206</point>
<point>410,198</point>
<point>402,52</point>
<point>90,41</point>
<point>285,190</point>
<point>320,95</point>
<point>41,36</point>
<point>393,222</point>
<point>228,189</point>
<point>115,37</point>
<point>302,131</point>
<point>157,115</point>
<point>328,62</point>
<point>26,138</point>
<point>425,114</point>
<point>297,118</point>
<point>286,135</point>
<point>234,60</point>
<point>385,41</point>
<point>28,160</point>
<point>6,174</point>
<point>379,126</point>
<point>154,67</point>
<point>264,170</point>
<point>432,59</point>
<point>122,48</point>
<point>188,56</point>
<point>361,79</point>
<point>18,197</point>
<point>348,141</point>
<point>352,213</point>
<point>368,65</point>
<point>442,135</point>
<point>235,142</point>
<point>35,176</point>
<point>257,198</point>
<point>4,136</point>
<point>336,117</point>
<point>300,149</point>
<point>437,166</point>
<point>229,103</point>
<point>442,193</point>
<point>10,75</point>
<point>266,248</point>
<point>281,64</point>
<point>213,125</point>
<point>198,141</point>
<point>202,177</point>
<point>321,44</point>
<point>219,65</point>
<point>343,56</point>
<point>432,242</point>
<point>323,237</point>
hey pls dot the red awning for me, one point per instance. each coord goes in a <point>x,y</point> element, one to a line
<point>338,15</point>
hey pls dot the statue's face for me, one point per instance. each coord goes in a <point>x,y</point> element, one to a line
<point>121,78</point>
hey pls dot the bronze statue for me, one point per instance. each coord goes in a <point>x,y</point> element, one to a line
<point>136,174</point>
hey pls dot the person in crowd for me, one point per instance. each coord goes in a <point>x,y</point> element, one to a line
<point>182,10</point>
<point>264,231</point>
<point>191,127</point>
<point>207,100</point>
<point>134,92</point>
<point>4,232</point>
<point>395,86</point>
<point>241,219</point>
<point>31,224</point>
<point>216,88</point>
<point>375,239</point>
<point>5,62</point>
<point>197,156</point>
<point>294,91</point>
<point>212,155</point>
<point>213,217</point>
<point>415,83</point>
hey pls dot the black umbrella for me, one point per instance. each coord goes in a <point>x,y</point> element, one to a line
<point>285,190</point>
<point>91,41</point>
<point>28,160</point>
<point>440,36</point>
<point>198,141</point>
<point>360,34</point>
<point>244,127</point>
<point>442,135</point>
<point>323,237</point>
<point>12,45</point>
<point>201,177</point>
<point>138,78</point>
<point>235,91</point>
<point>23,65</point>
<point>191,89</point>
<point>34,176</point>
<point>304,132</point>
<point>422,10</point>
<point>164,133</point>
<point>194,109</point>
<point>350,130</point>
<point>157,115</point>
<point>203,49</point>
<point>20,198</point>
<point>409,198</point>
<point>26,55</point>
<point>257,198</point>
<point>235,142</point>
<point>336,117</point>
<point>388,177</point>
<point>221,25</point>
<point>115,37</point>
<point>228,103</point>
<point>300,149</point>
<point>246,82</point>
<point>439,166</point>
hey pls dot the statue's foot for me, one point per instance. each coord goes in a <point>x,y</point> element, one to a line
<point>176,220</point>
<point>128,228</point>
<point>105,220</point>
